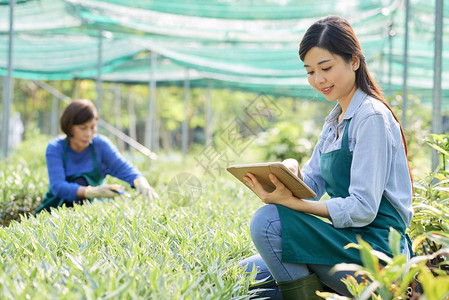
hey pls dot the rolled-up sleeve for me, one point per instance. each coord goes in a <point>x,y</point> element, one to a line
<point>372,154</point>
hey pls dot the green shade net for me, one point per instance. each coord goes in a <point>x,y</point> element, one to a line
<point>245,44</point>
<point>33,15</point>
<point>56,57</point>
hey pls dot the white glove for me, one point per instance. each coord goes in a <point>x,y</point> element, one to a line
<point>144,188</point>
<point>101,191</point>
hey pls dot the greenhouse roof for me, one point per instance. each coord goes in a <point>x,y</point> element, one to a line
<point>243,44</point>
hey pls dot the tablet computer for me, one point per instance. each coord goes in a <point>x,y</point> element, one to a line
<point>262,170</point>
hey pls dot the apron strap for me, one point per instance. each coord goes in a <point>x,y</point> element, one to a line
<point>66,146</point>
<point>344,139</point>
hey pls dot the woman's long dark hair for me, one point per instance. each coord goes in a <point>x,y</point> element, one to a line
<point>336,36</point>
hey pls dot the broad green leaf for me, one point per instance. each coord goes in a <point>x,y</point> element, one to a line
<point>394,240</point>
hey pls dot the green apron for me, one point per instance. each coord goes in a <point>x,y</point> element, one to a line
<point>307,239</point>
<point>93,178</point>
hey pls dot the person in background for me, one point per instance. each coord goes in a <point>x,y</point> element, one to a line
<point>360,161</point>
<point>78,162</point>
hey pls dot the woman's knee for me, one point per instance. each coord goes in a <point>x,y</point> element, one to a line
<point>262,219</point>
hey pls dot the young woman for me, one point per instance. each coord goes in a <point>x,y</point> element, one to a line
<point>360,161</point>
<point>78,162</point>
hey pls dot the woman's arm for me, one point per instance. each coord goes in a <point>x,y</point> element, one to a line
<point>113,163</point>
<point>81,192</point>
<point>56,173</point>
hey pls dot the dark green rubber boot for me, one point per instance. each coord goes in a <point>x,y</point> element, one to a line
<point>301,289</point>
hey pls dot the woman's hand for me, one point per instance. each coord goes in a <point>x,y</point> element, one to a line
<point>293,165</point>
<point>145,189</point>
<point>101,191</point>
<point>280,195</point>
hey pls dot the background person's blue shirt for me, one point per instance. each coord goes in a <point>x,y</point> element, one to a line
<point>379,164</point>
<point>109,159</point>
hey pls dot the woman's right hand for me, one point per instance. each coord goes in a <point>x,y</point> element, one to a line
<point>293,165</point>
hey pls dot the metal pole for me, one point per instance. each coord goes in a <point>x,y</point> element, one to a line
<point>405,62</point>
<point>132,115</point>
<point>149,141</point>
<point>8,85</point>
<point>54,116</point>
<point>208,131</point>
<point>99,68</point>
<point>118,114</point>
<point>436,110</point>
<point>185,123</point>
<point>390,57</point>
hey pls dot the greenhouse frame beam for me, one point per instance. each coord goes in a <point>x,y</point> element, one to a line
<point>7,85</point>
<point>405,62</point>
<point>208,110</point>
<point>185,123</point>
<point>99,81</point>
<point>436,108</point>
<point>54,116</point>
<point>150,124</point>
<point>390,56</point>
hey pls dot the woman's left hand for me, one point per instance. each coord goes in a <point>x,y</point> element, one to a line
<point>279,196</point>
<point>145,189</point>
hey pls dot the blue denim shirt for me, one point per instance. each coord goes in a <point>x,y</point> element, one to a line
<point>379,164</point>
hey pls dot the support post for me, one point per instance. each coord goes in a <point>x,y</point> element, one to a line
<point>436,108</point>
<point>149,137</point>
<point>132,115</point>
<point>118,114</point>
<point>185,123</point>
<point>208,129</point>
<point>405,63</point>
<point>99,81</point>
<point>8,85</point>
<point>390,57</point>
<point>54,116</point>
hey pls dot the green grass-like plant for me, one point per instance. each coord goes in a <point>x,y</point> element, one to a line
<point>131,249</point>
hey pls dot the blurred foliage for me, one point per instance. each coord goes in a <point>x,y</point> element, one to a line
<point>23,178</point>
<point>296,133</point>
<point>286,140</point>
<point>382,277</point>
<point>417,128</point>
<point>431,202</point>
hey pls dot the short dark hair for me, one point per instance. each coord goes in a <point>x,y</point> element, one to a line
<point>77,112</point>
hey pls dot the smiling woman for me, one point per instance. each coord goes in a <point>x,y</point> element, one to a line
<point>78,163</point>
<point>332,76</point>
<point>360,161</point>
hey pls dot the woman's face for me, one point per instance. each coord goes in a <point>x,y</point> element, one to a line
<point>331,75</point>
<point>82,135</point>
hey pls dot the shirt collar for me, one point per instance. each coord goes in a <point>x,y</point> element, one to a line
<point>356,101</point>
